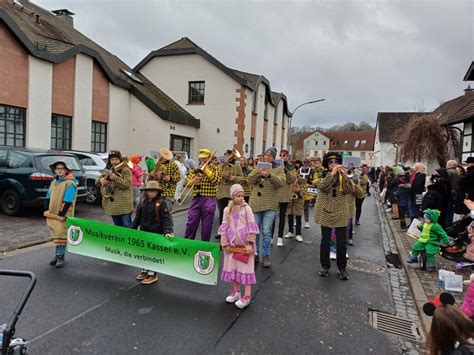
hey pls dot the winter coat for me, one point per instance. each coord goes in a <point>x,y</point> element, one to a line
<point>147,220</point>
<point>332,207</point>
<point>265,192</point>
<point>432,233</point>
<point>465,189</point>
<point>137,174</point>
<point>454,180</point>
<point>285,191</point>
<point>417,184</point>
<point>402,194</point>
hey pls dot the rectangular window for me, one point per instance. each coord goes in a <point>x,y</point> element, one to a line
<point>363,141</point>
<point>12,126</point>
<point>324,142</point>
<point>196,92</point>
<point>357,143</point>
<point>99,137</point>
<point>61,132</point>
<point>362,155</point>
<point>180,144</point>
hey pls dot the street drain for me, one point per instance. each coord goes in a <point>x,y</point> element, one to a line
<point>402,327</point>
<point>365,266</point>
<point>393,260</point>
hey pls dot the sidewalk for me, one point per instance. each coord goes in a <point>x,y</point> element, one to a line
<point>30,229</point>
<point>423,284</point>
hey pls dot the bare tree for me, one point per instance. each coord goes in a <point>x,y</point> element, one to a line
<point>426,138</point>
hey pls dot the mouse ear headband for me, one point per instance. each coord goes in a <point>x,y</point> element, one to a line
<point>430,307</point>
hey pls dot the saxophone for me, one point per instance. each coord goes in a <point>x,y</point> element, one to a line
<point>297,187</point>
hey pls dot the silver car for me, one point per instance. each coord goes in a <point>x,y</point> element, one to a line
<point>93,164</point>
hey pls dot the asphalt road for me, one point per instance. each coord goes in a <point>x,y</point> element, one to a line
<point>93,306</point>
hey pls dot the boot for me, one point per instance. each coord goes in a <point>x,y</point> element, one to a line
<point>59,262</point>
<point>266,261</point>
<point>430,267</point>
<point>53,261</point>
<point>413,259</point>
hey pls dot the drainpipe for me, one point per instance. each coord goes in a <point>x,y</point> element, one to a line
<point>396,152</point>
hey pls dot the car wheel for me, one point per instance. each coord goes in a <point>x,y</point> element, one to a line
<point>11,203</point>
<point>93,194</point>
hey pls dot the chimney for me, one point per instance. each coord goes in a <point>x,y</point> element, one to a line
<point>468,90</point>
<point>65,16</point>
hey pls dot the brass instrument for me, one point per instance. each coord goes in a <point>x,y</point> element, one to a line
<point>296,188</point>
<point>156,175</point>
<point>226,173</point>
<point>199,171</point>
<point>109,189</point>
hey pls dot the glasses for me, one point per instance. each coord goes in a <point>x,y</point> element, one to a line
<point>333,162</point>
<point>283,155</point>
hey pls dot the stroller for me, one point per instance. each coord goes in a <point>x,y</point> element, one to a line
<point>459,240</point>
<point>8,344</point>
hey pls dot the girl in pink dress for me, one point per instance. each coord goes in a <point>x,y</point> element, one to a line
<point>237,231</point>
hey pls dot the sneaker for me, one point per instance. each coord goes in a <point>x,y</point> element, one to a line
<point>357,223</point>
<point>413,259</point>
<point>233,296</point>
<point>150,279</point>
<point>430,268</point>
<point>243,302</point>
<point>280,242</point>
<point>343,275</point>
<point>142,276</point>
<point>289,235</point>
<point>53,261</point>
<point>350,242</point>
<point>332,255</point>
<point>266,261</point>
<point>59,262</point>
<point>324,272</point>
<point>299,238</point>
<point>306,225</point>
<point>388,210</point>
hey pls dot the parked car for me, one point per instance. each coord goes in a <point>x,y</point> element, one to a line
<point>25,177</point>
<point>93,164</point>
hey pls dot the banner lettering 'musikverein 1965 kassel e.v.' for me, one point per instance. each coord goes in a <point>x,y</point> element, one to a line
<point>192,260</point>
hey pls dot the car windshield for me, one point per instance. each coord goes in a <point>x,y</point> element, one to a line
<point>44,161</point>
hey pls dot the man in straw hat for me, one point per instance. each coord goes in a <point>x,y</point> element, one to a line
<point>203,206</point>
<point>153,216</point>
<point>166,172</point>
<point>61,201</point>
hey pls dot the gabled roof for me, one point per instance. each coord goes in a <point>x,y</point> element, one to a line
<point>389,124</point>
<point>186,46</point>
<point>457,110</point>
<point>351,140</point>
<point>470,73</point>
<point>47,37</point>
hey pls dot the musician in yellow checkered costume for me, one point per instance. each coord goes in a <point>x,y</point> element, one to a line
<point>203,205</point>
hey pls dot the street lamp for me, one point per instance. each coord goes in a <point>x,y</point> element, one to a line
<point>291,118</point>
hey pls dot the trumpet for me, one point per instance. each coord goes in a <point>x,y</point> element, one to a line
<point>190,186</point>
<point>235,154</point>
<point>296,188</point>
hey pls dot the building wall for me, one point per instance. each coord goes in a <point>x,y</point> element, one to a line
<point>100,95</point>
<point>63,87</point>
<point>315,145</point>
<point>82,120</point>
<point>38,114</point>
<point>218,113</point>
<point>148,132</point>
<point>119,112</point>
<point>14,64</point>
<point>260,110</point>
<point>248,122</point>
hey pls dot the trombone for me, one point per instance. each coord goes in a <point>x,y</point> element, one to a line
<point>190,186</point>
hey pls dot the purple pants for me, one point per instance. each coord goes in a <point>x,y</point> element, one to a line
<point>202,209</point>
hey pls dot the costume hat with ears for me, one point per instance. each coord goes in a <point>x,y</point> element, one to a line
<point>442,300</point>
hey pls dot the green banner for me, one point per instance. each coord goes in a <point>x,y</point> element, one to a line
<point>192,260</point>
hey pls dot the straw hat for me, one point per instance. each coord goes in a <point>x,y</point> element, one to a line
<point>166,153</point>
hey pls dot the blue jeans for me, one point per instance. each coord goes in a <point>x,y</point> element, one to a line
<point>264,220</point>
<point>123,220</point>
<point>60,250</point>
<point>413,210</point>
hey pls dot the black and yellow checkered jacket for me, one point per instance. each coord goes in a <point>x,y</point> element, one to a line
<point>208,186</point>
<point>265,192</point>
<point>169,168</point>
<point>332,207</point>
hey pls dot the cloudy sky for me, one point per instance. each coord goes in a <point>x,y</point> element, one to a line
<point>361,56</point>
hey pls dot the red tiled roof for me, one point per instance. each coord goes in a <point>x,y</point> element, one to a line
<point>347,140</point>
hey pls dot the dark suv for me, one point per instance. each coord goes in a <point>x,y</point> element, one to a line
<point>25,177</point>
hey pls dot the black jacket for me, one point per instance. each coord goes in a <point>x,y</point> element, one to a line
<point>147,220</point>
<point>465,190</point>
<point>418,185</point>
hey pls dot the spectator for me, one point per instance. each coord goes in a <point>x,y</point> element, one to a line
<point>417,182</point>
<point>465,188</point>
<point>437,196</point>
<point>454,180</point>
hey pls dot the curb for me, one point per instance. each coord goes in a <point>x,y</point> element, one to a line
<point>419,294</point>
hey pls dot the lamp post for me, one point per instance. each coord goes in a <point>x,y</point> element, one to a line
<point>291,119</point>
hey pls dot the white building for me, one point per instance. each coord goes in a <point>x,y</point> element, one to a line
<point>316,145</point>
<point>60,90</point>
<point>235,108</point>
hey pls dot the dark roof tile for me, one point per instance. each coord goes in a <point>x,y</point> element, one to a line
<point>389,124</point>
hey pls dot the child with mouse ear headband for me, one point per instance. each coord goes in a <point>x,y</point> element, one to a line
<point>452,332</point>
